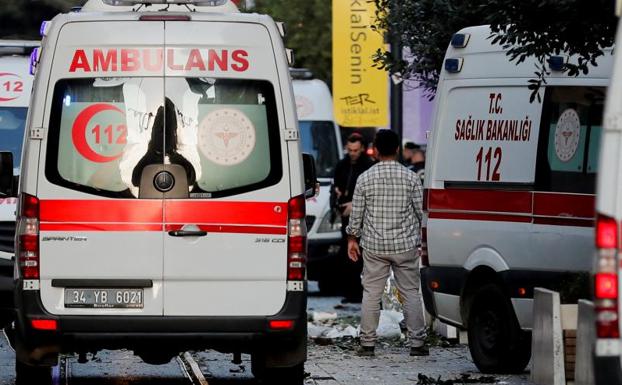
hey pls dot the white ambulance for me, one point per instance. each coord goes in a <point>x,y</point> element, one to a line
<point>509,193</point>
<point>320,137</point>
<point>608,347</point>
<point>162,195</point>
<point>15,86</point>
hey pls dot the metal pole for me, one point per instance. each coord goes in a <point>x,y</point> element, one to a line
<point>397,116</point>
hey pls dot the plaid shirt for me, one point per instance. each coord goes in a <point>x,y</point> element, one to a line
<point>387,209</point>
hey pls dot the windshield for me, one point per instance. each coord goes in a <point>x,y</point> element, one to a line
<point>319,139</point>
<point>12,122</point>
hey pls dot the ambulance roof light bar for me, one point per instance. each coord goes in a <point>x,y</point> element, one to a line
<point>208,3</point>
<point>17,47</point>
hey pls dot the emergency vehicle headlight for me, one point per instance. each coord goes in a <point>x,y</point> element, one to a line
<point>34,59</point>
<point>453,65</point>
<point>43,31</point>
<point>557,63</point>
<point>460,40</point>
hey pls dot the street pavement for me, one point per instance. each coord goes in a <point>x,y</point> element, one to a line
<point>330,362</point>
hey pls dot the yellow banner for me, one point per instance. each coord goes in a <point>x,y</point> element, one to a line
<point>360,91</point>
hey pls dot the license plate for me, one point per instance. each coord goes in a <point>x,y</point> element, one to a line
<point>104,298</point>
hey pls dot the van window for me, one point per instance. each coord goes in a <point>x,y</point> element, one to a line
<point>570,132</point>
<point>319,140</point>
<point>103,132</point>
<point>12,122</point>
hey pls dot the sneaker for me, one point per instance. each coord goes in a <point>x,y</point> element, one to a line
<point>417,351</point>
<point>365,351</point>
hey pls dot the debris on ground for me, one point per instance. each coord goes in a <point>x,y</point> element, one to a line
<point>320,316</point>
<point>464,379</point>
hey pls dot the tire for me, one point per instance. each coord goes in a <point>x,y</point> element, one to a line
<point>496,341</point>
<point>31,375</point>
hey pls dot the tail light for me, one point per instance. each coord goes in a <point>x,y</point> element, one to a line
<point>606,278</point>
<point>44,324</point>
<point>425,261</point>
<point>27,237</point>
<point>281,324</point>
<point>297,240</point>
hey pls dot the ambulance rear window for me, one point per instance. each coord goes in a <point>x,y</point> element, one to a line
<point>104,131</point>
<point>570,133</point>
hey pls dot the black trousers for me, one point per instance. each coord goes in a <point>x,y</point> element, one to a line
<point>351,280</point>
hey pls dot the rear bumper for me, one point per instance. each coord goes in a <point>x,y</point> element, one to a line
<point>170,333</point>
<point>607,370</point>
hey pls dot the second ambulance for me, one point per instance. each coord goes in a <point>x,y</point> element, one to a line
<point>509,192</point>
<point>15,86</point>
<point>162,196</point>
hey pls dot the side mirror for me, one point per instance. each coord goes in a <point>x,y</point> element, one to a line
<point>6,173</point>
<point>311,182</point>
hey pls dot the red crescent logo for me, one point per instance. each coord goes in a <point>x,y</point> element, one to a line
<point>78,132</point>
<point>18,92</point>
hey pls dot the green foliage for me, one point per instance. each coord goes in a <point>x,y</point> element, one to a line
<point>527,28</point>
<point>308,24</point>
<point>21,19</point>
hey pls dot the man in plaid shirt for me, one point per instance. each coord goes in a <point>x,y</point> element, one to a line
<point>386,217</point>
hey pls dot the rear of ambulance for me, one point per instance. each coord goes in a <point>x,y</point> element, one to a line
<point>162,201</point>
<point>607,306</point>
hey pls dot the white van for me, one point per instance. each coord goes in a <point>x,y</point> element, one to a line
<point>509,193</point>
<point>608,347</point>
<point>162,195</point>
<point>15,87</point>
<point>320,137</point>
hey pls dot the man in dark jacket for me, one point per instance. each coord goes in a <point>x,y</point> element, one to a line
<point>346,173</point>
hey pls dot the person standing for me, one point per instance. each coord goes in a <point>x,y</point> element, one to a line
<point>347,172</point>
<point>386,216</point>
<point>408,152</point>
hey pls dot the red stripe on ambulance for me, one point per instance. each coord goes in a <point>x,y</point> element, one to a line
<point>480,200</point>
<point>147,215</point>
<point>101,211</point>
<point>243,213</point>
<point>555,209</point>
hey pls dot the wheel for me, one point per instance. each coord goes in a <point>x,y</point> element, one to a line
<point>496,341</point>
<point>30,375</point>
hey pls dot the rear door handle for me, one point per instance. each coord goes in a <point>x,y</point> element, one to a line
<point>187,233</point>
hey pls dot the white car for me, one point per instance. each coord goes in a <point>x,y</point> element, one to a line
<point>509,192</point>
<point>162,195</point>
<point>321,138</point>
